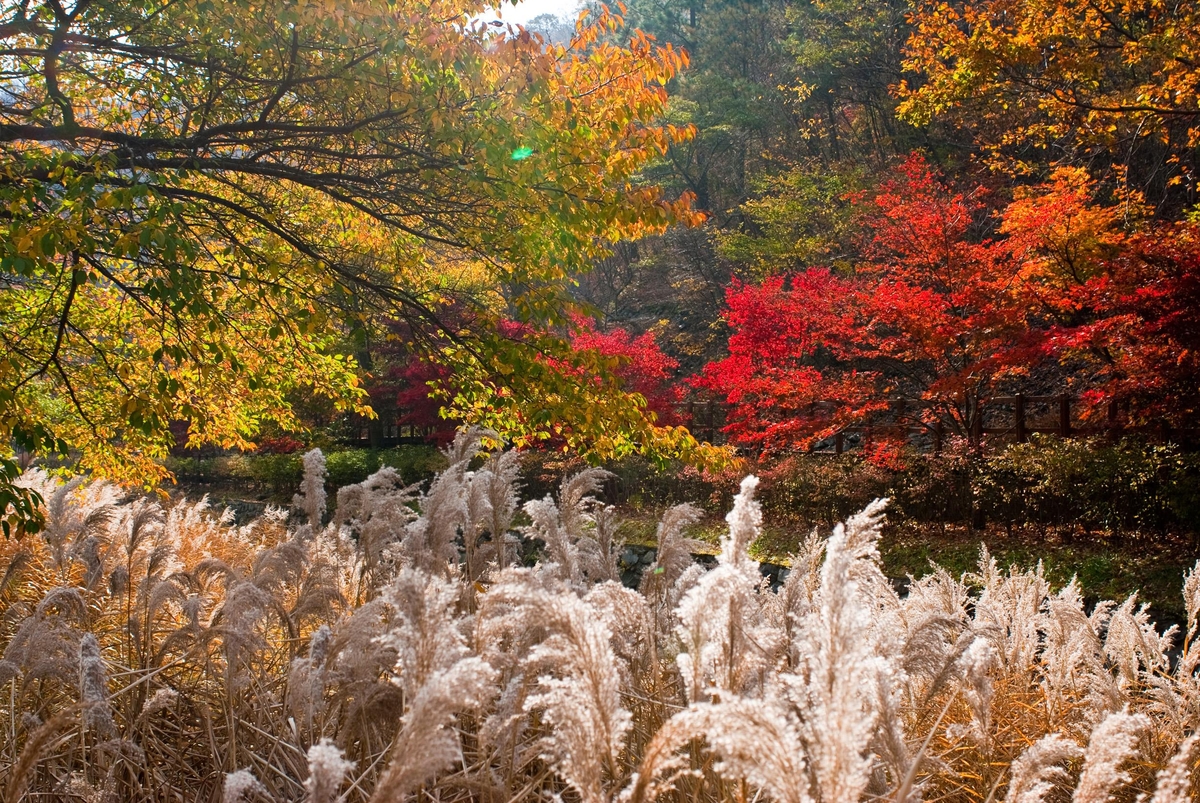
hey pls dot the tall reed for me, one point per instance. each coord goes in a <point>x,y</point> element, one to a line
<point>400,651</point>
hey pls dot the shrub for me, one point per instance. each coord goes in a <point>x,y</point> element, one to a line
<point>1126,486</point>
<point>819,489</point>
<point>279,474</point>
<point>635,482</point>
<point>1123,487</point>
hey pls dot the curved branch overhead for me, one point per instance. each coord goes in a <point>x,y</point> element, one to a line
<point>206,202</point>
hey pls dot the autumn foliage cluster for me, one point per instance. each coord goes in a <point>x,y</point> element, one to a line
<point>403,647</point>
<point>415,387</point>
<point>953,297</point>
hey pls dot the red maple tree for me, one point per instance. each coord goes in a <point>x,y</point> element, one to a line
<point>926,313</point>
<point>940,308</point>
<point>1142,333</point>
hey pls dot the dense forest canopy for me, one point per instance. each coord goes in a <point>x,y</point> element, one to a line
<point>939,202</point>
<point>234,214</point>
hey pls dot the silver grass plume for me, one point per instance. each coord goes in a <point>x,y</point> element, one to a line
<point>76,508</point>
<point>240,786</point>
<point>937,631</point>
<point>578,689</point>
<point>87,551</point>
<point>141,520</point>
<point>505,632</point>
<point>631,624</point>
<point>93,688</point>
<point>1133,645</point>
<point>1189,661</point>
<point>281,566</point>
<point>429,541</point>
<point>477,553</point>
<point>756,740</point>
<point>65,602</point>
<point>376,512</point>
<point>1113,742</point>
<point>1007,612</point>
<point>1072,656</point>
<point>1191,602</point>
<point>77,787</point>
<point>1036,770</point>
<point>575,498</point>
<point>1174,783</point>
<point>500,481</point>
<point>161,700</point>
<point>673,555</point>
<point>327,770</point>
<point>344,682</point>
<point>841,665</point>
<point>306,678</point>
<point>8,671</point>
<point>745,525</point>
<point>311,498</point>
<point>438,674</point>
<point>492,502</point>
<point>46,644</point>
<point>975,665</point>
<point>244,609</point>
<point>568,530</point>
<point>561,556</point>
<point>1177,696</point>
<point>191,526</point>
<point>728,647</point>
<point>797,596</point>
<point>601,559</point>
<point>799,590</point>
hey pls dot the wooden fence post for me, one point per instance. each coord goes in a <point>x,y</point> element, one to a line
<point>977,423</point>
<point>1019,415</point>
<point>1064,415</point>
<point>839,442</point>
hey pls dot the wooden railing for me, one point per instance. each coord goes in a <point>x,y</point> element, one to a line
<point>1011,417</point>
<point>391,434</point>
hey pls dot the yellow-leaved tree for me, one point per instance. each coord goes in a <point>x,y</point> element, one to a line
<point>201,199</point>
<point>1065,79</point>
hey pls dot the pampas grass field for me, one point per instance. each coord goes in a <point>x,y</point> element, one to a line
<point>401,650</point>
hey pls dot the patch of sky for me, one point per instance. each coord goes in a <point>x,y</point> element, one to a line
<point>551,18</point>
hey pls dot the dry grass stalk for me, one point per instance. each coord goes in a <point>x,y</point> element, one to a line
<point>397,653</point>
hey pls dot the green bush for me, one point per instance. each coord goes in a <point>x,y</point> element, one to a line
<point>413,463</point>
<point>636,483</point>
<point>1129,486</point>
<point>280,474</point>
<point>1124,486</point>
<point>209,470</point>
<point>193,469</point>
<point>935,488</point>
<point>1121,487</point>
<point>821,489</point>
